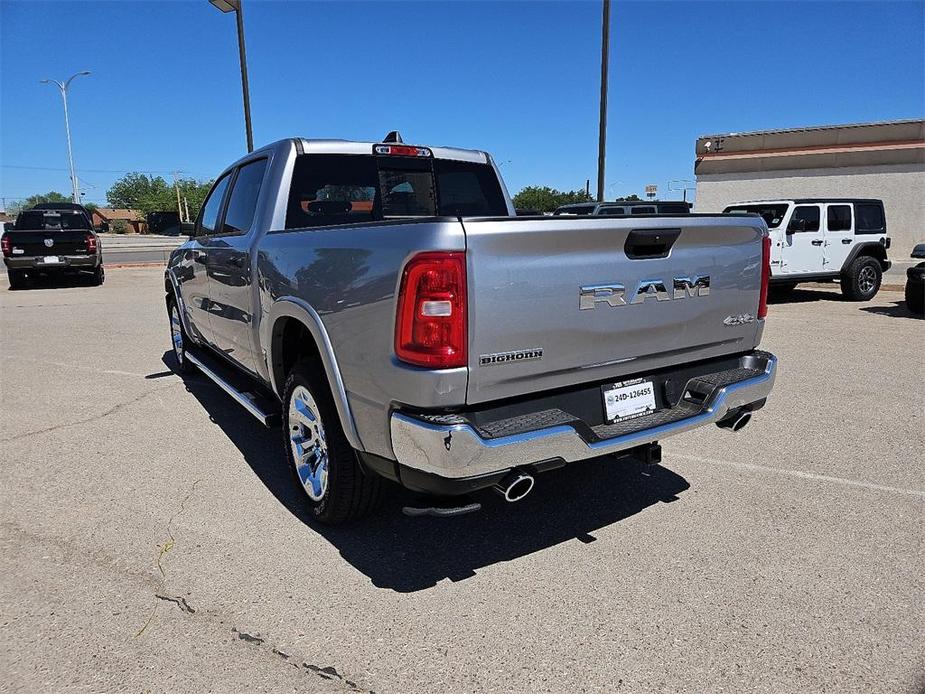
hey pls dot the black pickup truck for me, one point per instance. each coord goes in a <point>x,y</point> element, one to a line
<point>51,240</point>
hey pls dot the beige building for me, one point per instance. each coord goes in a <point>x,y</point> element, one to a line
<point>867,160</point>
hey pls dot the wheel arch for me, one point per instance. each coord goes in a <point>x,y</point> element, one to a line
<point>874,249</point>
<point>293,331</point>
<point>172,291</point>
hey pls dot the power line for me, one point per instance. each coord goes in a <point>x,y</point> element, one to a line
<point>51,168</point>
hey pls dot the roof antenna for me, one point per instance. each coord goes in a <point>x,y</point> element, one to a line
<point>393,136</point>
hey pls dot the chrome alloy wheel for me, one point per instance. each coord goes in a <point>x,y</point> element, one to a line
<point>176,333</point>
<point>309,448</point>
<point>867,279</point>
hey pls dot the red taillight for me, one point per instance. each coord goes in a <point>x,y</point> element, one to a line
<point>6,246</point>
<point>765,276</point>
<point>430,328</point>
<point>91,243</point>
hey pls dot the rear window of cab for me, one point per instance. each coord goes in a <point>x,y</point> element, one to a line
<point>330,189</point>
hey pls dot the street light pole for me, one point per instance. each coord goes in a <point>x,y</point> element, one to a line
<point>236,7</point>
<point>602,136</point>
<point>75,193</point>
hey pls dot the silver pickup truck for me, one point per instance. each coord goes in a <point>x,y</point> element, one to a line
<point>382,302</point>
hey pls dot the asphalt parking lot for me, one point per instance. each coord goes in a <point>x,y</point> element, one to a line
<point>152,541</point>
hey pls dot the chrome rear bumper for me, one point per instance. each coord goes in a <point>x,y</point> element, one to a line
<point>457,450</point>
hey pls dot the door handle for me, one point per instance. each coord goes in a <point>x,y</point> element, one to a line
<point>846,241</point>
<point>817,242</point>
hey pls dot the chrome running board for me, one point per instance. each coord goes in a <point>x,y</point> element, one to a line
<point>246,400</point>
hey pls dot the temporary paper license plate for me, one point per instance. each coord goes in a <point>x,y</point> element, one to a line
<point>628,400</point>
<point>52,260</point>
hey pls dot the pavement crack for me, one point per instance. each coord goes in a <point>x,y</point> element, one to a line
<point>249,638</point>
<point>163,548</point>
<point>326,672</point>
<point>95,418</point>
<point>179,600</point>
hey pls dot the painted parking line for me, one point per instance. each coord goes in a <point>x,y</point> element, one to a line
<point>845,482</point>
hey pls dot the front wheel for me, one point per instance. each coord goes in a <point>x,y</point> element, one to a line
<point>178,337</point>
<point>336,487</point>
<point>861,281</point>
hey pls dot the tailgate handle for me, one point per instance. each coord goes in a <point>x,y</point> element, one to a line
<point>650,243</point>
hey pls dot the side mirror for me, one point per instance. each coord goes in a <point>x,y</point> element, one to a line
<point>796,225</point>
<point>188,229</point>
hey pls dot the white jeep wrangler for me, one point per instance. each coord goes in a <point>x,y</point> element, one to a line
<point>825,239</point>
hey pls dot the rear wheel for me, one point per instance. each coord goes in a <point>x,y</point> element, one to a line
<point>861,281</point>
<point>99,276</point>
<point>17,278</point>
<point>337,489</point>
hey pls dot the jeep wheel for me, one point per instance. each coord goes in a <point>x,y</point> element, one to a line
<point>337,489</point>
<point>178,338</point>
<point>861,281</point>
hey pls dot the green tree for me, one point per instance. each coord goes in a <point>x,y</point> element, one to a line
<point>546,199</point>
<point>138,191</point>
<point>18,206</point>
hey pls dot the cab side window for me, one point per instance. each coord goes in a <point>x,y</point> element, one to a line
<point>208,218</point>
<point>838,218</point>
<point>242,204</point>
<point>805,218</point>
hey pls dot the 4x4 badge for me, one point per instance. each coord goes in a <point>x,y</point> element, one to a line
<point>741,319</point>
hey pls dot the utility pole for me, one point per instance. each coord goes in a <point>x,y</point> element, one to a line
<point>602,136</point>
<point>176,187</point>
<point>186,207</point>
<point>62,87</point>
<point>235,6</point>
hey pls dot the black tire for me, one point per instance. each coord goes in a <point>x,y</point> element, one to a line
<point>349,492</point>
<point>915,297</point>
<point>861,281</point>
<point>17,279</point>
<point>179,347</point>
<point>99,276</point>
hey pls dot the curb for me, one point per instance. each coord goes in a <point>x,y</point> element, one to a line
<point>129,266</point>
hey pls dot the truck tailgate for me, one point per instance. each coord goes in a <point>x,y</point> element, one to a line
<point>49,242</point>
<point>528,332</point>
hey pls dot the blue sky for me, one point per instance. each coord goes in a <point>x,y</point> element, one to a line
<point>517,79</point>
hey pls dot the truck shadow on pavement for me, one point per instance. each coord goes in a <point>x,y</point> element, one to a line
<point>407,554</point>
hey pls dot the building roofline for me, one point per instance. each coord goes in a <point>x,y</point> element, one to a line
<point>811,128</point>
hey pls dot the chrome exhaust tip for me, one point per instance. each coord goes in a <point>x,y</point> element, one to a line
<point>736,421</point>
<point>515,486</point>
